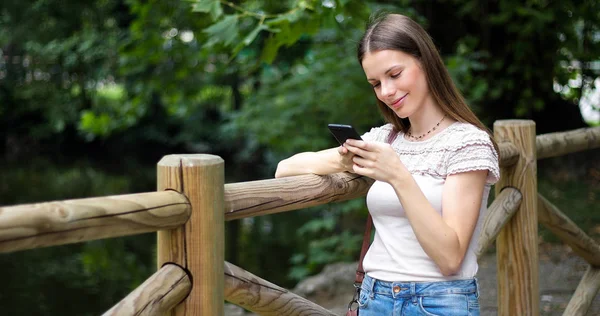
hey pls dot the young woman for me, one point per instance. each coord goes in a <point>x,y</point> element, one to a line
<point>433,166</point>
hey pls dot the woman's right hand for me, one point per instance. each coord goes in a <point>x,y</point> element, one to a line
<point>346,159</point>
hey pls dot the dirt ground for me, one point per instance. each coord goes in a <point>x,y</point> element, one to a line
<point>560,271</point>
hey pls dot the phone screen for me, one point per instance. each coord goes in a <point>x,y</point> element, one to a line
<point>343,132</point>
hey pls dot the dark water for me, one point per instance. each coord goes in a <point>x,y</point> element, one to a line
<point>78,279</point>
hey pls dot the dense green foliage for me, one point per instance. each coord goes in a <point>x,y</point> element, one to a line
<point>98,91</point>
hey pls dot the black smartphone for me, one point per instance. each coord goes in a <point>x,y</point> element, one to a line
<point>342,132</point>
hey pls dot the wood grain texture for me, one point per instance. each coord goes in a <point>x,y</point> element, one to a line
<point>584,294</point>
<point>62,222</point>
<point>499,213</point>
<point>156,296</point>
<point>508,154</point>
<point>568,231</point>
<point>561,143</point>
<point>517,244</point>
<point>255,198</point>
<point>199,246</point>
<point>264,298</point>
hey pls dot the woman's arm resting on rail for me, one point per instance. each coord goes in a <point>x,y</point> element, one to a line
<point>323,162</point>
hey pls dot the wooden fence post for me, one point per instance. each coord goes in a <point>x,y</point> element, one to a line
<point>199,244</point>
<point>517,244</point>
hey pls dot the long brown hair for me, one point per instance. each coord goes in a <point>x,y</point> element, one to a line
<point>401,33</point>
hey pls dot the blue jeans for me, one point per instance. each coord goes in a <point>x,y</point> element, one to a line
<point>446,298</point>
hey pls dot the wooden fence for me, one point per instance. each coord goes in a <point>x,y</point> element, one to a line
<point>193,202</point>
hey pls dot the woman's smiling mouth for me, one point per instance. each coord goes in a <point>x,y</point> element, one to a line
<point>397,103</point>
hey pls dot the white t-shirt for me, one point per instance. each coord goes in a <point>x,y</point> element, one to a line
<point>395,254</point>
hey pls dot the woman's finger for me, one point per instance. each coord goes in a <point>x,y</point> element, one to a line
<point>354,142</point>
<point>357,151</point>
<point>368,146</point>
<point>361,161</point>
<point>360,170</point>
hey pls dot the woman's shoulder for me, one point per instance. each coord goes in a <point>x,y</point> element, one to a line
<point>470,148</point>
<point>461,134</point>
<point>385,128</point>
<point>464,128</point>
<point>379,133</point>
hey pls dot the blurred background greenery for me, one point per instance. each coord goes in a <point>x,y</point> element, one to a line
<point>94,93</point>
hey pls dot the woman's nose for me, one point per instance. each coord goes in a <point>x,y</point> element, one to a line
<point>387,88</point>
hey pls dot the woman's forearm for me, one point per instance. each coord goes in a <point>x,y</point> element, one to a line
<point>322,162</point>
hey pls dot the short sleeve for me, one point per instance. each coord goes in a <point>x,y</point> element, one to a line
<point>378,134</point>
<point>475,152</point>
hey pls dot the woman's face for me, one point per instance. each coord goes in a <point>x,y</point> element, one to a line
<point>398,80</point>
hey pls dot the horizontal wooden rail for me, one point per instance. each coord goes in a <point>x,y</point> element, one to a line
<point>165,289</point>
<point>584,295</point>
<point>55,223</point>
<point>264,298</point>
<point>508,154</point>
<point>254,198</point>
<point>499,213</point>
<point>561,143</point>
<point>568,232</point>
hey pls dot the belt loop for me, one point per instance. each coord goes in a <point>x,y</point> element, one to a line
<point>372,295</point>
<point>413,292</point>
<point>476,287</point>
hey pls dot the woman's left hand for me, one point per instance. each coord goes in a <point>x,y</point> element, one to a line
<point>376,160</point>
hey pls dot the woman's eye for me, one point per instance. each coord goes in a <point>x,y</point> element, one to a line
<point>375,86</point>
<point>396,75</point>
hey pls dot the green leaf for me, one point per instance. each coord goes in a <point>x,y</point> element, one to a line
<point>269,51</point>
<point>224,31</point>
<point>248,39</point>
<point>291,16</point>
<point>208,6</point>
<point>342,2</point>
<point>307,4</point>
<point>252,35</point>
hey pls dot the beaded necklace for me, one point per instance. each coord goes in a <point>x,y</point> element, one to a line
<point>416,138</point>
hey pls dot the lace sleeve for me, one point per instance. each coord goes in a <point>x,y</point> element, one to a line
<point>475,151</point>
<point>378,134</point>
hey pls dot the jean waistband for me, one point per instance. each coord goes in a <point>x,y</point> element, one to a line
<point>467,286</point>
